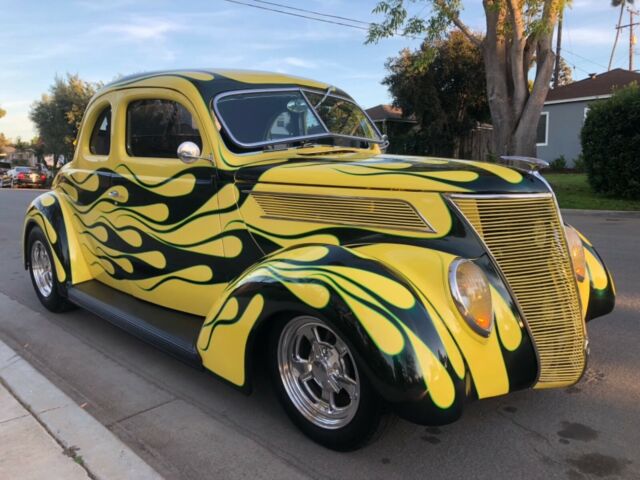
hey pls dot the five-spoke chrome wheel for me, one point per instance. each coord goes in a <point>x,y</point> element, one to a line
<point>41,268</point>
<point>318,372</point>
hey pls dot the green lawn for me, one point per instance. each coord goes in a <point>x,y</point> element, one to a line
<point>573,191</point>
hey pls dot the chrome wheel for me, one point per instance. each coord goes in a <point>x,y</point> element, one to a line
<point>41,268</point>
<point>318,372</point>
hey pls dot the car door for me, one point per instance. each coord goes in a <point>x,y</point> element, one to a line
<point>85,186</point>
<point>166,219</point>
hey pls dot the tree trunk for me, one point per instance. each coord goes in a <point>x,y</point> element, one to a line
<point>515,111</point>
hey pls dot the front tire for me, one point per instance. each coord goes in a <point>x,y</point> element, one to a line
<point>320,385</point>
<point>43,273</point>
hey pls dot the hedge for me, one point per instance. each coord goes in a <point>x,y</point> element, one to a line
<point>611,144</point>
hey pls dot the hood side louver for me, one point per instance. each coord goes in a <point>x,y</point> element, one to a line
<point>379,213</point>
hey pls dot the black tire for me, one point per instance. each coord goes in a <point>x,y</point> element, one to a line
<point>366,424</point>
<point>54,300</point>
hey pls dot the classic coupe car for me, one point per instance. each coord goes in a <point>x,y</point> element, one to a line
<point>235,217</point>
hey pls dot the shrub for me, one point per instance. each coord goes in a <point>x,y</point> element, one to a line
<point>578,164</point>
<point>559,163</point>
<point>611,144</point>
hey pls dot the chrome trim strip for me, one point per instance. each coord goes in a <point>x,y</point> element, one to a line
<point>500,195</point>
<point>449,199</point>
<point>429,227</point>
<point>328,134</point>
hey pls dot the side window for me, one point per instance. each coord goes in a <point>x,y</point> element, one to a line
<point>155,128</point>
<point>100,142</point>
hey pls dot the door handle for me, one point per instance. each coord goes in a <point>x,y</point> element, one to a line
<point>114,194</point>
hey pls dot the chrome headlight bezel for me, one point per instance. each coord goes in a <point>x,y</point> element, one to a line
<point>482,326</point>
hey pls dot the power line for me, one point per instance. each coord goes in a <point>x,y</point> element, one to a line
<point>296,14</point>
<point>308,17</point>
<point>312,12</point>
<point>584,58</point>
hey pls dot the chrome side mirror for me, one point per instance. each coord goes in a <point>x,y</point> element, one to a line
<point>188,152</point>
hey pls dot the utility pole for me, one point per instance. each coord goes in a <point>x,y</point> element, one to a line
<point>556,76</point>
<point>615,42</point>
<point>632,38</point>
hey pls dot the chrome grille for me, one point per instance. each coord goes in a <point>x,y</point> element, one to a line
<point>385,213</point>
<point>525,236</point>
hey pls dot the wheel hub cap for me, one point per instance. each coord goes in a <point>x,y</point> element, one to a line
<point>318,372</point>
<point>41,268</point>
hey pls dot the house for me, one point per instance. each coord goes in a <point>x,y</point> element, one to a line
<point>14,156</point>
<point>389,120</point>
<point>566,108</point>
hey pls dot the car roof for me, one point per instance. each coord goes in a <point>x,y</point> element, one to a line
<point>210,81</point>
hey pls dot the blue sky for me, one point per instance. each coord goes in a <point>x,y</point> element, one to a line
<point>101,39</point>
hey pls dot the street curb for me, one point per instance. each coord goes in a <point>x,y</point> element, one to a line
<point>615,213</point>
<point>100,452</point>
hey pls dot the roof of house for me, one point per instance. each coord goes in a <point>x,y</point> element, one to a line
<point>388,112</point>
<point>594,86</point>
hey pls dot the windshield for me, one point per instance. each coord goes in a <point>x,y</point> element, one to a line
<point>253,119</point>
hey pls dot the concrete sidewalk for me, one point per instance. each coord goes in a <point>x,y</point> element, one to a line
<point>27,450</point>
<point>44,434</point>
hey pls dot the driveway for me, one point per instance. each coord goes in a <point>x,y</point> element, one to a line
<point>186,424</point>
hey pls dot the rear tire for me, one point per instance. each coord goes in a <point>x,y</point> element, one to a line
<point>43,273</point>
<point>320,385</point>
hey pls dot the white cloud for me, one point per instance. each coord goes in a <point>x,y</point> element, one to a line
<point>143,29</point>
<point>299,62</point>
<point>591,5</point>
<point>590,36</point>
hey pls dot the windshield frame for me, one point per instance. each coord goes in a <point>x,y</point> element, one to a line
<point>327,134</point>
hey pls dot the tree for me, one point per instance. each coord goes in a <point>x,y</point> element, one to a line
<point>57,115</point>
<point>37,145</point>
<point>4,141</point>
<point>565,76</point>
<point>446,95</point>
<point>517,33</point>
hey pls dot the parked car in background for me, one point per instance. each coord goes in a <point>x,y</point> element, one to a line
<point>234,218</point>
<point>25,177</point>
<point>4,170</point>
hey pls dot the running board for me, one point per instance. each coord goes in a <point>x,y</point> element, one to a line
<point>174,332</point>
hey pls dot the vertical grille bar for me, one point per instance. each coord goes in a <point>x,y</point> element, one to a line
<point>525,236</point>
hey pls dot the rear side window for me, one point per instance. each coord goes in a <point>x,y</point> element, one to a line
<point>155,128</point>
<point>100,143</point>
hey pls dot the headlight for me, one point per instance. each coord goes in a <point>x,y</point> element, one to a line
<point>576,251</point>
<point>472,295</point>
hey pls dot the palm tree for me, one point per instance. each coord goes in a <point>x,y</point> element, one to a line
<point>621,4</point>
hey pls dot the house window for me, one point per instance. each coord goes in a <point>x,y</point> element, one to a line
<point>542,134</point>
<point>155,128</point>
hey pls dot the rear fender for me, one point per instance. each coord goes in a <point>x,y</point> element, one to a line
<point>50,212</point>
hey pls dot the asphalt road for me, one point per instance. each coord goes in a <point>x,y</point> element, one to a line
<point>186,424</point>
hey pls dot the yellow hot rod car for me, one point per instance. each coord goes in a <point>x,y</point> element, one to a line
<point>229,215</point>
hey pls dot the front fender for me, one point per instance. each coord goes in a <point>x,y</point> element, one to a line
<point>597,290</point>
<point>405,346</point>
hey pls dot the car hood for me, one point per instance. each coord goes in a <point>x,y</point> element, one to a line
<point>392,172</point>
